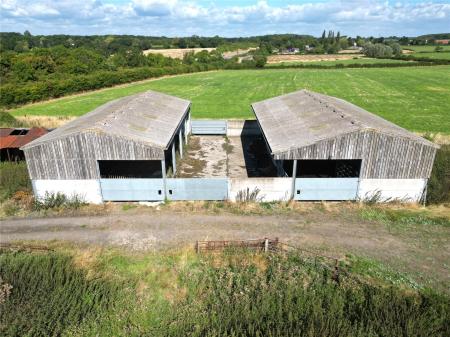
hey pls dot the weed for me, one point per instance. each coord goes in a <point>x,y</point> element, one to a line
<point>58,200</point>
<point>249,196</point>
<point>127,207</point>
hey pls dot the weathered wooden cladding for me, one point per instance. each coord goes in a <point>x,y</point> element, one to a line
<point>308,125</point>
<point>75,156</point>
<point>383,156</point>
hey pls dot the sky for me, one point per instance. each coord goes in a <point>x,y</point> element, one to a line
<point>229,18</point>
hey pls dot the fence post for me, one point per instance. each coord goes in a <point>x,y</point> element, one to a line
<point>266,245</point>
<point>197,247</point>
<point>335,276</point>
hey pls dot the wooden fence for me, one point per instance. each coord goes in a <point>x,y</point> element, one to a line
<point>259,245</point>
<point>24,247</point>
<point>267,245</point>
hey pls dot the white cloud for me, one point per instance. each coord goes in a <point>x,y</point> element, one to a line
<point>176,17</point>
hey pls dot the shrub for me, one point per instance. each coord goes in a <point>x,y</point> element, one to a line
<point>378,50</point>
<point>7,120</point>
<point>439,182</point>
<point>58,200</point>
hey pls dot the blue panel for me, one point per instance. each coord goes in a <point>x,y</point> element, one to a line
<point>132,189</point>
<point>209,127</point>
<point>326,188</point>
<point>197,188</point>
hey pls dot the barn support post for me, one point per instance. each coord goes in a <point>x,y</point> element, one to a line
<point>180,141</point>
<point>189,123</point>
<point>294,176</point>
<point>185,130</point>
<point>174,159</point>
<point>163,168</point>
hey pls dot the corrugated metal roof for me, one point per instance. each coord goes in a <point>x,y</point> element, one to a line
<point>150,118</point>
<point>8,141</point>
<point>304,117</point>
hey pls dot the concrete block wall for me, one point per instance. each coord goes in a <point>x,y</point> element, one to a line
<point>406,190</point>
<point>271,189</point>
<point>237,128</point>
<point>89,190</point>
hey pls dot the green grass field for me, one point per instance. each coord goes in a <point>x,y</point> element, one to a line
<point>425,48</point>
<point>345,62</point>
<point>414,98</point>
<point>434,55</point>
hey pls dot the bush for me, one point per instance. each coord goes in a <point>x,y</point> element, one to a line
<point>378,50</point>
<point>58,200</point>
<point>7,120</point>
<point>439,182</point>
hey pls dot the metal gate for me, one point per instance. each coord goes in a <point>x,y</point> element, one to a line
<point>197,188</point>
<point>326,188</point>
<point>132,189</point>
<point>209,127</point>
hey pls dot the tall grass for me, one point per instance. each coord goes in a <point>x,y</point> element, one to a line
<point>13,177</point>
<point>439,183</point>
<point>230,294</point>
<point>49,294</point>
<point>291,297</point>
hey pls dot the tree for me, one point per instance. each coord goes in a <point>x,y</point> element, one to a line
<point>182,43</point>
<point>396,49</point>
<point>260,61</point>
<point>377,50</point>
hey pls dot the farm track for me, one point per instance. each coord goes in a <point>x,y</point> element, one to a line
<point>423,254</point>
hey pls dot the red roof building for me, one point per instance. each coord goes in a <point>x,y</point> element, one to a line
<point>11,139</point>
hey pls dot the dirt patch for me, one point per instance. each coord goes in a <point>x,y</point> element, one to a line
<point>176,53</point>
<point>310,58</point>
<point>205,157</point>
<point>237,52</point>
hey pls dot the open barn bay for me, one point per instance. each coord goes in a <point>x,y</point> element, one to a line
<point>413,97</point>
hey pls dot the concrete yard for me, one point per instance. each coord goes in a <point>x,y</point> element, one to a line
<point>219,156</point>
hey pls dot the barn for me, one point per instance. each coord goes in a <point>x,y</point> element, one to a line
<point>334,150</point>
<point>100,155</point>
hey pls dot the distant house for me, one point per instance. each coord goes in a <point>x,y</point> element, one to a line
<point>289,51</point>
<point>11,139</point>
<point>444,41</point>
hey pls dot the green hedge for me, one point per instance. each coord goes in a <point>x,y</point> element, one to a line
<point>439,183</point>
<point>13,94</point>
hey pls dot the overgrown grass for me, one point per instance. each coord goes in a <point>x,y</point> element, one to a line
<point>439,183</point>
<point>13,177</point>
<point>415,97</point>
<point>178,293</point>
<point>402,219</point>
<point>49,294</point>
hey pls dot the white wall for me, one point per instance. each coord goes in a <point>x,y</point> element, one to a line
<point>235,128</point>
<point>89,190</point>
<point>407,190</point>
<point>271,189</point>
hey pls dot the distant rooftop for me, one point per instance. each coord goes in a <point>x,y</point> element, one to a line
<point>303,118</point>
<point>150,118</point>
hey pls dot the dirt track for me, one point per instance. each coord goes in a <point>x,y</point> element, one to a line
<point>423,252</point>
